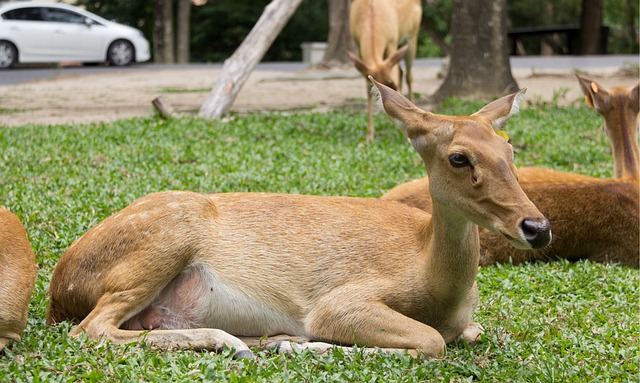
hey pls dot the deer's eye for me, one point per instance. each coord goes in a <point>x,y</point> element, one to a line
<point>458,160</point>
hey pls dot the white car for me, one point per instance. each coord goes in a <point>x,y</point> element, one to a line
<point>37,32</point>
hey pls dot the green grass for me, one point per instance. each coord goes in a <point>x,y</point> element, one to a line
<point>563,322</point>
<point>173,89</point>
<point>9,110</point>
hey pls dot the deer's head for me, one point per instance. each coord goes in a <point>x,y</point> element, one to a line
<point>470,166</point>
<point>618,105</point>
<point>387,72</point>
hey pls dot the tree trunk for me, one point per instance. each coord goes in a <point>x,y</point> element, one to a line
<point>547,49</point>
<point>339,39</point>
<point>163,42</point>
<point>183,31</point>
<point>479,66</point>
<point>238,67</point>
<point>590,27</point>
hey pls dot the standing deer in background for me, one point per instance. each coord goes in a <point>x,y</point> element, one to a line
<point>378,27</point>
<point>592,218</point>
<point>197,268</point>
<point>17,277</point>
<point>619,106</point>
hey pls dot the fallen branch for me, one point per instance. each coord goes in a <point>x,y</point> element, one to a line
<point>163,107</point>
<point>238,67</point>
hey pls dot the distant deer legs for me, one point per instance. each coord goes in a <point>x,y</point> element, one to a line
<point>370,107</point>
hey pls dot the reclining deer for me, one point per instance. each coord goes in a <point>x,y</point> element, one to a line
<point>592,218</point>
<point>202,270</point>
<point>18,276</point>
<point>377,28</point>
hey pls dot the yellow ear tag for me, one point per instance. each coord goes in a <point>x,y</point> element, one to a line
<point>594,87</point>
<point>503,134</point>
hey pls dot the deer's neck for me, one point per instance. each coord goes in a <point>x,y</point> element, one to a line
<point>454,250</point>
<point>624,145</point>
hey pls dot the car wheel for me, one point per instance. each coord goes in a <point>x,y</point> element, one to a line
<point>120,53</point>
<point>8,55</point>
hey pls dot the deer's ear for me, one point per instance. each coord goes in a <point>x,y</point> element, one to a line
<point>594,95</point>
<point>499,111</point>
<point>396,57</point>
<point>585,84</point>
<point>399,108</point>
<point>360,66</point>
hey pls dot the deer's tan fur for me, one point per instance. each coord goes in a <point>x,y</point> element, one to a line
<point>596,219</point>
<point>334,269</point>
<point>17,277</point>
<point>378,27</point>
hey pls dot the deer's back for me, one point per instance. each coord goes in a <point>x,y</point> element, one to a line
<point>267,238</point>
<point>597,221</point>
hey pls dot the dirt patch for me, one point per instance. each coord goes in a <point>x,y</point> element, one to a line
<point>116,95</point>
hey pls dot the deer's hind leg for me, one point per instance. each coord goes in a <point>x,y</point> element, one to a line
<point>409,58</point>
<point>132,315</point>
<point>102,323</point>
<point>136,259</point>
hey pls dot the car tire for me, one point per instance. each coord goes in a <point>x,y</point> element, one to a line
<point>8,55</point>
<point>120,53</point>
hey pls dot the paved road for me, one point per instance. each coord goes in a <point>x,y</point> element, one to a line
<point>25,74</point>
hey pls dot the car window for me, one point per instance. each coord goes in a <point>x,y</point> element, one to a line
<point>28,14</point>
<point>63,16</point>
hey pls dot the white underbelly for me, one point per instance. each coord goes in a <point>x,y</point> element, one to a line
<point>229,309</point>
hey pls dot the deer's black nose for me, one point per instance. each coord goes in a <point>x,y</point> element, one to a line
<point>537,232</point>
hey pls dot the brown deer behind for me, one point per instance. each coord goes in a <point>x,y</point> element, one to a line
<point>595,219</point>
<point>17,276</point>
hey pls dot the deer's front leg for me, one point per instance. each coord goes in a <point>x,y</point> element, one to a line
<point>371,323</point>
<point>370,128</point>
<point>472,333</point>
<point>460,324</point>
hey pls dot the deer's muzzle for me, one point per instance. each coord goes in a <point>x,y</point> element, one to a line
<point>537,232</point>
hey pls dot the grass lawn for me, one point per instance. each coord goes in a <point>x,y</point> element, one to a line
<point>562,322</point>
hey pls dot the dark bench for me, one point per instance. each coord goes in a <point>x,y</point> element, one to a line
<point>568,43</point>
